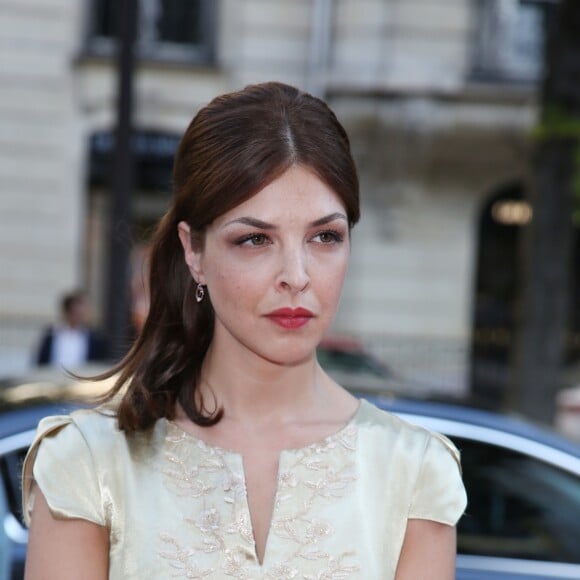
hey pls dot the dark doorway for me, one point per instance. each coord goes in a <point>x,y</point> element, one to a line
<point>501,222</point>
<point>497,290</point>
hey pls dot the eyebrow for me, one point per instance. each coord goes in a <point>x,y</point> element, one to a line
<point>256,223</point>
<point>329,218</point>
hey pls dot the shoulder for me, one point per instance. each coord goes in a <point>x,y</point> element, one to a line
<point>63,460</point>
<point>95,336</point>
<point>384,425</point>
<point>94,435</point>
<point>84,437</point>
<point>427,462</point>
<point>94,427</point>
<point>388,431</point>
<point>47,334</point>
<point>100,422</point>
<point>74,457</point>
<point>81,432</point>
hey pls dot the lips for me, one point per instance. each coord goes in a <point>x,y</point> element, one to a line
<point>290,318</point>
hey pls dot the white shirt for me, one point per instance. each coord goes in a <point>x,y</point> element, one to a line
<point>70,347</point>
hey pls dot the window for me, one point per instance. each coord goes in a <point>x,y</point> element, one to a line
<point>153,157</point>
<point>176,30</point>
<point>509,40</point>
<point>11,470</point>
<point>519,506</point>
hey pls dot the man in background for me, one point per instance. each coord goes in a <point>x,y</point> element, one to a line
<point>72,343</point>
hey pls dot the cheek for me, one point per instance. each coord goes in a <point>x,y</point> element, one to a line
<point>330,275</point>
<point>228,284</point>
<point>235,271</point>
<point>232,286</point>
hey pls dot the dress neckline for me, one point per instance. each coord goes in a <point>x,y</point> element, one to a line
<point>323,442</point>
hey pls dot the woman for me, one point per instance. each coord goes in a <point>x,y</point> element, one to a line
<point>231,452</point>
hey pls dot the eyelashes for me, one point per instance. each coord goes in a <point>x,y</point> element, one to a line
<point>255,240</point>
<point>259,239</point>
<point>330,236</point>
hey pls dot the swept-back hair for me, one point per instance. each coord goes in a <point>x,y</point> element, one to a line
<point>235,146</point>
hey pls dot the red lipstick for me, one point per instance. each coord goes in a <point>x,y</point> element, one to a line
<point>290,317</point>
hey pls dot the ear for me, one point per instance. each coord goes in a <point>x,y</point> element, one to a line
<point>192,253</point>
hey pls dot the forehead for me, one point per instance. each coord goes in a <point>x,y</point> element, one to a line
<point>297,193</point>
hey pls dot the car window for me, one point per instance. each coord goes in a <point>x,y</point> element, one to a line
<point>519,506</point>
<point>11,468</point>
<point>4,540</point>
<point>355,362</point>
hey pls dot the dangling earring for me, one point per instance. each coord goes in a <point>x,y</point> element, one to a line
<point>199,293</point>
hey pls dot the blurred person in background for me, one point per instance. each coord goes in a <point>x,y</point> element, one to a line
<point>225,450</point>
<point>72,343</point>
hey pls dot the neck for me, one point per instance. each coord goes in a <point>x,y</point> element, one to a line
<point>251,388</point>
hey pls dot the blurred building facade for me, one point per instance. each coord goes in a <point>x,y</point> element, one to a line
<point>438,98</point>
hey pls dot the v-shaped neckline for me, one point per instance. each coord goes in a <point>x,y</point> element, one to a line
<point>237,458</point>
<point>326,440</point>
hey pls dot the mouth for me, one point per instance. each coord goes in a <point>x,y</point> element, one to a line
<point>290,318</point>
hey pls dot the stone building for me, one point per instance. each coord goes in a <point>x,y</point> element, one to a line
<point>438,98</point>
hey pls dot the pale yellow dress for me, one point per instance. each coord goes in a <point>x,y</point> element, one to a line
<point>176,507</point>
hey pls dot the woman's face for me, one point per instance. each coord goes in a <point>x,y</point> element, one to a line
<point>274,267</point>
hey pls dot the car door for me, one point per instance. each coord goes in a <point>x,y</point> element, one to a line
<point>523,517</point>
<point>14,534</point>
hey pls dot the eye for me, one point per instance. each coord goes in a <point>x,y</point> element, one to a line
<point>328,237</point>
<point>253,240</point>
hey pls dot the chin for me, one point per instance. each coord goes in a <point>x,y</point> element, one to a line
<point>290,356</point>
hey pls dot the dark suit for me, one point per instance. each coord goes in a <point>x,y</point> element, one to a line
<point>96,351</point>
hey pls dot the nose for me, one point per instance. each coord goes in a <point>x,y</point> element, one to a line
<point>293,275</point>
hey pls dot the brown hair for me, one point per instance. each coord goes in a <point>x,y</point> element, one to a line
<point>234,147</point>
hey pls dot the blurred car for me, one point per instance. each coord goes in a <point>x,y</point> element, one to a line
<point>22,404</point>
<point>568,412</point>
<point>354,367</point>
<point>523,483</point>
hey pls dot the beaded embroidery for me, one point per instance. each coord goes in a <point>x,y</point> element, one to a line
<point>217,516</point>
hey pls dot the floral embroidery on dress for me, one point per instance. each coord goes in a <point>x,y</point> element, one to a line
<point>182,562</point>
<point>205,478</point>
<point>217,514</point>
<point>329,474</point>
<point>337,569</point>
<point>242,526</point>
<point>282,572</point>
<point>234,566</point>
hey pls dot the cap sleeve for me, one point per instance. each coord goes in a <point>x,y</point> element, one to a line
<point>60,463</point>
<point>439,493</point>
